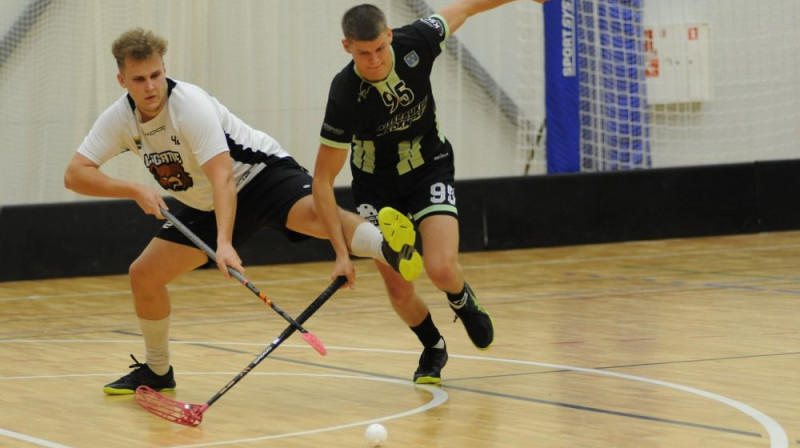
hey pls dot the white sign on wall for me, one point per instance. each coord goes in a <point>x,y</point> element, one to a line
<point>677,63</point>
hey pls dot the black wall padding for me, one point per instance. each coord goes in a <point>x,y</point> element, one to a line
<point>621,206</point>
<point>778,187</point>
<point>104,237</point>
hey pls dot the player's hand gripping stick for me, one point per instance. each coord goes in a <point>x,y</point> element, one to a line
<point>305,334</point>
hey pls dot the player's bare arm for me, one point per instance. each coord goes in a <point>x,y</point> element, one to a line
<point>84,176</point>
<point>219,171</point>
<point>328,165</point>
<point>457,13</point>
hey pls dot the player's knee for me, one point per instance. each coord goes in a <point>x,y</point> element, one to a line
<point>400,293</point>
<point>440,272</point>
<point>140,276</point>
<point>136,275</point>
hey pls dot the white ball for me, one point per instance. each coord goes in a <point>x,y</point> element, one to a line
<point>376,434</point>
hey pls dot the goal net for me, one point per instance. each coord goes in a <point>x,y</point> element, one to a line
<point>269,61</point>
<point>687,82</point>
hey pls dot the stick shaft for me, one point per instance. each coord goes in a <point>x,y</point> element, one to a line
<point>307,313</point>
<point>203,246</point>
<point>236,274</point>
<point>189,234</point>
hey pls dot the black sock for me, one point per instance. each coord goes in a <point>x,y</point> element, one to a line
<point>427,332</point>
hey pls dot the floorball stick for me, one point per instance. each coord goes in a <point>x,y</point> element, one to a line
<point>192,414</point>
<point>306,335</point>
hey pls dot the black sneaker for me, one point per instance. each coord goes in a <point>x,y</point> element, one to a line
<point>141,375</point>
<point>476,320</point>
<point>398,245</point>
<point>431,363</point>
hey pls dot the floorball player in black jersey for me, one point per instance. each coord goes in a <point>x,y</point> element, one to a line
<point>381,108</point>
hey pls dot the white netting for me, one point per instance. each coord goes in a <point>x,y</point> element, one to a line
<point>688,82</point>
<point>269,61</point>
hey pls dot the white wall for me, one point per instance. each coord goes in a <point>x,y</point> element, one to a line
<point>755,75</point>
<point>269,61</point>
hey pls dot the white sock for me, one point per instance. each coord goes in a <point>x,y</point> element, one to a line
<point>156,344</point>
<point>367,240</point>
<point>439,344</point>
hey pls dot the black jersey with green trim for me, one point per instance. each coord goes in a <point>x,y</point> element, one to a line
<point>390,125</point>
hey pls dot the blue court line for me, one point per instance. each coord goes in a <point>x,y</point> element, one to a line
<point>607,411</point>
<point>776,434</point>
<point>726,358</point>
<point>448,385</point>
<point>711,285</point>
<point>196,344</point>
<point>622,366</point>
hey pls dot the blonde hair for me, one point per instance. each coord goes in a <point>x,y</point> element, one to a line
<point>137,44</point>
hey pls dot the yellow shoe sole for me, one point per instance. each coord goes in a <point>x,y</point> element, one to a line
<point>428,380</point>
<point>399,233</point>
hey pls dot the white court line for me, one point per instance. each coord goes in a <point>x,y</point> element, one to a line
<point>561,261</point>
<point>777,435</point>
<point>438,397</point>
<point>29,439</point>
<point>117,292</point>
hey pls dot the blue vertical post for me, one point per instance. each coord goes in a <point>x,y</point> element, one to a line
<point>595,86</point>
<point>561,86</point>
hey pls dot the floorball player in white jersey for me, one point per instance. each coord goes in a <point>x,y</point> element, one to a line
<point>230,179</point>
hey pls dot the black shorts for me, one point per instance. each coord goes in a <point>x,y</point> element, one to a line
<point>264,202</point>
<point>425,191</point>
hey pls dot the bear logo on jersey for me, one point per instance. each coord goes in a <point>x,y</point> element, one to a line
<point>167,169</point>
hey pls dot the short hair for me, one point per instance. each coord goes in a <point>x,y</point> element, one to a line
<point>137,44</point>
<point>363,22</point>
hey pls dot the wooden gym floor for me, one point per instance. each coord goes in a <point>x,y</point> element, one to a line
<point>675,343</point>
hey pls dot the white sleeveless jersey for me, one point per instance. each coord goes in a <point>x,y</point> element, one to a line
<point>192,128</point>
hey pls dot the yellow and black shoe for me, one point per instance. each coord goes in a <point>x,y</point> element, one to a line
<point>476,320</point>
<point>398,247</point>
<point>431,363</point>
<point>141,375</point>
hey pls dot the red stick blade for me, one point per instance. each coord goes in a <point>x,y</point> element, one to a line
<point>168,409</point>
<point>316,343</point>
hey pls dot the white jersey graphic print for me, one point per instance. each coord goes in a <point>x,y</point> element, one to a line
<point>192,128</point>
